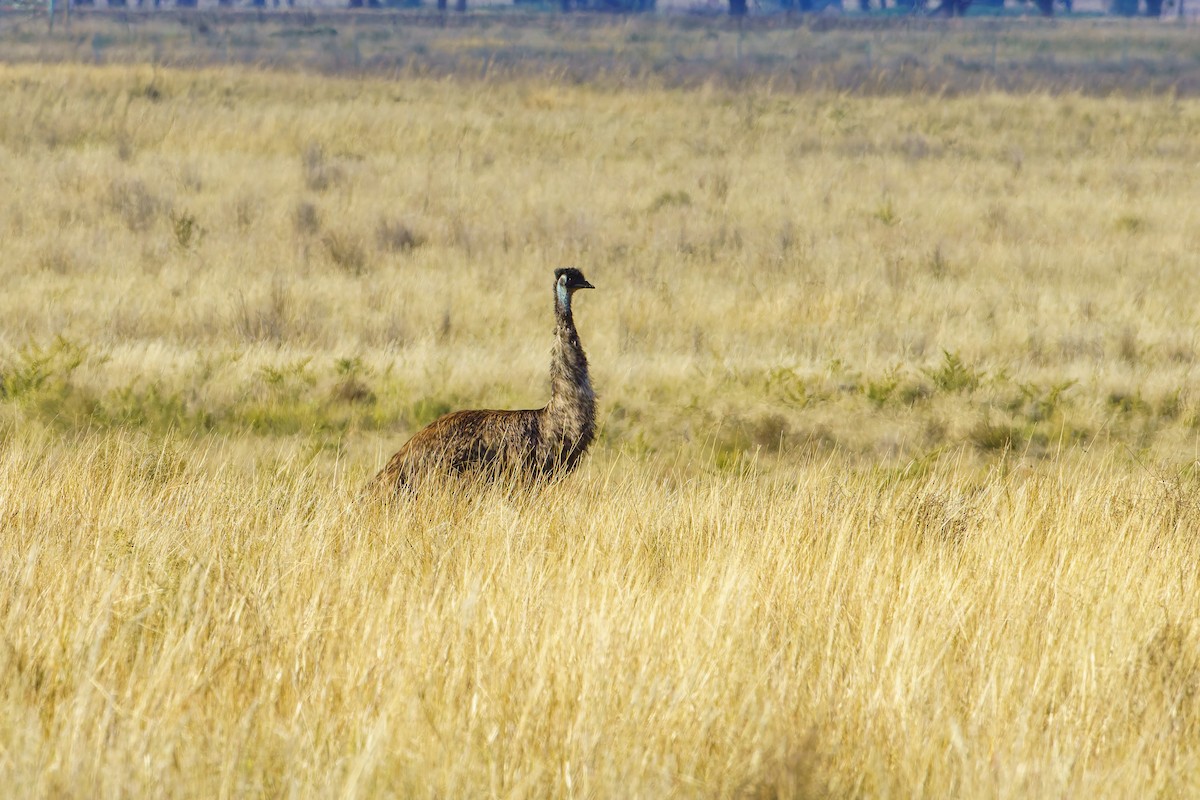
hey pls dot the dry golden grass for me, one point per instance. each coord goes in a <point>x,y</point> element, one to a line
<point>192,630</point>
<point>895,494</point>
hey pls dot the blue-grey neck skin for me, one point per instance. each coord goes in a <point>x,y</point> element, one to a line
<point>567,345</point>
<point>563,296</point>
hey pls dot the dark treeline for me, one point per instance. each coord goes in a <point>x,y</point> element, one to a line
<point>735,8</point>
<point>864,54</point>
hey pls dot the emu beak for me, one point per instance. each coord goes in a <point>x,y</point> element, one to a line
<point>584,285</point>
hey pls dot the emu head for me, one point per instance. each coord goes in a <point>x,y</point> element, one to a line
<point>566,281</point>
<point>571,279</point>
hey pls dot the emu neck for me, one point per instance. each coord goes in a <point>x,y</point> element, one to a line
<point>572,402</point>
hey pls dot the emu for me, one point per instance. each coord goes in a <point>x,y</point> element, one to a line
<point>530,445</point>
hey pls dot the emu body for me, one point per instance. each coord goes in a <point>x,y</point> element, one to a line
<point>532,444</point>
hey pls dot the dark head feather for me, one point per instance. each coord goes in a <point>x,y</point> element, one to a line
<point>575,279</point>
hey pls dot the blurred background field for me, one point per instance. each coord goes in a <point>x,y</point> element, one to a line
<point>895,491</point>
<point>231,251</point>
<point>862,53</point>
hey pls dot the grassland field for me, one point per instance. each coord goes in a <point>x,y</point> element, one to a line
<point>896,488</point>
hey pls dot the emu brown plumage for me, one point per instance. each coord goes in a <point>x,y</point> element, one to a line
<point>533,444</point>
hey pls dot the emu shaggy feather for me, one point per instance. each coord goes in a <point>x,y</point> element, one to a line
<point>535,444</point>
